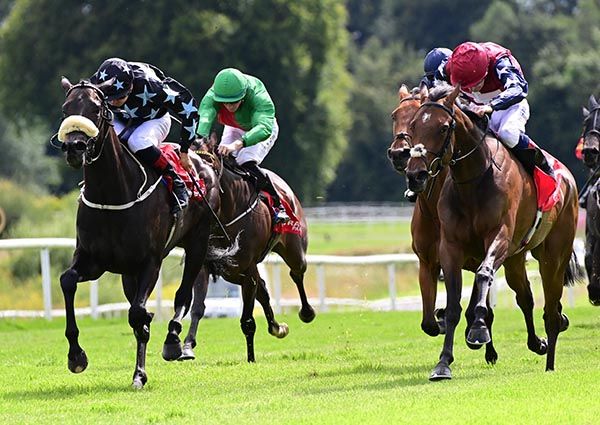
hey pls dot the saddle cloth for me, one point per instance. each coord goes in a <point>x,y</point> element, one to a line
<point>293,225</point>
<point>547,188</point>
<point>171,153</point>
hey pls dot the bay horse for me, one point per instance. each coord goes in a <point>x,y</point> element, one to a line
<point>247,222</point>
<point>591,158</point>
<point>425,223</point>
<point>487,209</point>
<point>124,223</point>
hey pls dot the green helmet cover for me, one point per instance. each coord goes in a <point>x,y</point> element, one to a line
<point>230,86</point>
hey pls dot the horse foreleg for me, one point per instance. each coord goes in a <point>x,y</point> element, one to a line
<point>197,312</point>
<point>279,330</point>
<point>183,298</point>
<point>81,269</point>
<point>137,290</point>
<point>491,356</point>
<point>592,267</point>
<point>496,253</point>
<point>247,323</point>
<point>428,276</point>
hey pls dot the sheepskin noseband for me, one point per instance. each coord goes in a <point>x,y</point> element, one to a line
<point>77,123</point>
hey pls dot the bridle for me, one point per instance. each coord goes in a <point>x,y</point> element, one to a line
<point>402,135</point>
<point>594,130</point>
<point>437,164</point>
<point>104,119</point>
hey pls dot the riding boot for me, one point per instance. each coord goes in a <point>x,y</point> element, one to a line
<point>263,182</point>
<point>531,156</point>
<point>154,157</point>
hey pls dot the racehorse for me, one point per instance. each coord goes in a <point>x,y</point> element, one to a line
<point>425,223</point>
<point>124,223</point>
<point>248,223</point>
<point>487,209</point>
<point>591,158</point>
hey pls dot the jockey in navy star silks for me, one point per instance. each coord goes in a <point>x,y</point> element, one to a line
<point>434,66</point>
<point>492,79</point>
<point>143,98</point>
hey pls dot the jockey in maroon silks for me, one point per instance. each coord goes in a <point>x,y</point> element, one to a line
<point>491,77</point>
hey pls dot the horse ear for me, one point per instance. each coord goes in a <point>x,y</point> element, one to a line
<point>65,83</point>
<point>423,93</point>
<point>451,98</point>
<point>592,102</point>
<point>585,112</point>
<point>403,92</point>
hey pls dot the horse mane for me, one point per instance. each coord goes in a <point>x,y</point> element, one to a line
<point>443,89</point>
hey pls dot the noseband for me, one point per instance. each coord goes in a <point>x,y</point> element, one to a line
<point>594,130</point>
<point>419,151</point>
<point>105,117</point>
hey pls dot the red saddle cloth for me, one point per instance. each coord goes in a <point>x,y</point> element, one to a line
<point>293,225</point>
<point>172,156</point>
<point>548,189</point>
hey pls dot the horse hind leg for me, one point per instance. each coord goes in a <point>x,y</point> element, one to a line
<point>516,278</point>
<point>293,252</point>
<point>197,312</point>
<point>279,330</point>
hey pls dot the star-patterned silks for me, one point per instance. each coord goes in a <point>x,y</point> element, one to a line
<point>171,94</point>
<point>152,96</point>
<point>188,108</point>
<point>129,112</point>
<point>146,96</point>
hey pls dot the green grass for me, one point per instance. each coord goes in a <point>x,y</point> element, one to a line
<point>345,368</point>
<point>358,238</point>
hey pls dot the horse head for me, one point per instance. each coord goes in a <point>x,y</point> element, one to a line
<point>399,151</point>
<point>591,133</point>
<point>85,115</point>
<point>432,134</point>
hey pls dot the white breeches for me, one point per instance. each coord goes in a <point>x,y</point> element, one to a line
<point>508,124</point>
<point>256,152</point>
<point>148,133</point>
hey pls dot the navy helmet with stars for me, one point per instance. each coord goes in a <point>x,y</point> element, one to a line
<point>119,73</point>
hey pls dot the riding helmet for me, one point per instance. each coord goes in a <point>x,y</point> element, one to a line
<point>434,58</point>
<point>230,85</point>
<point>120,72</point>
<point>468,65</point>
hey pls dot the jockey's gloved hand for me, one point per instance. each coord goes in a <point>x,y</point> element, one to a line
<point>198,143</point>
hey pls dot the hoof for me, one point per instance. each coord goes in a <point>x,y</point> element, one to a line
<point>540,347</point>
<point>139,382</point>
<point>594,295</point>
<point>478,336</point>
<point>491,357</point>
<point>440,373</point>
<point>564,322</point>
<point>307,314</point>
<point>281,332</point>
<point>79,363</point>
<point>474,346</point>
<point>171,352</point>
<point>440,317</point>
<point>187,353</point>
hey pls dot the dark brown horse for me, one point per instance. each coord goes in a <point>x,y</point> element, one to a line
<point>247,223</point>
<point>425,223</point>
<point>591,158</point>
<point>487,209</point>
<point>124,224</point>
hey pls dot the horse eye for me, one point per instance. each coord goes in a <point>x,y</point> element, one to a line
<point>444,128</point>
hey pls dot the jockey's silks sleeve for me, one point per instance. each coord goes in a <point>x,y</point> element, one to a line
<point>515,86</point>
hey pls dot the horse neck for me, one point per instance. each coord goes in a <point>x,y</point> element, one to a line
<point>113,177</point>
<point>468,141</point>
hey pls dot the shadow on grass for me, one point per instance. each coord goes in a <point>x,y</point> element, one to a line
<point>63,392</point>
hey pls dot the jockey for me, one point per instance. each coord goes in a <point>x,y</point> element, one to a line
<point>142,97</point>
<point>493,80</point>
<point>242,104</point>
<point>434,66</point>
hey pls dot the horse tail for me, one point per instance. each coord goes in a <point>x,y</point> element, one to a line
<point>574,272</point>
<point>222,258</point>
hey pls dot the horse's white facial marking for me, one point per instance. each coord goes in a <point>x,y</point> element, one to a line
<point>426,117</point>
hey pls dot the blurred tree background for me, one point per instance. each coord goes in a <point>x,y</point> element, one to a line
<point>333,68</point>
